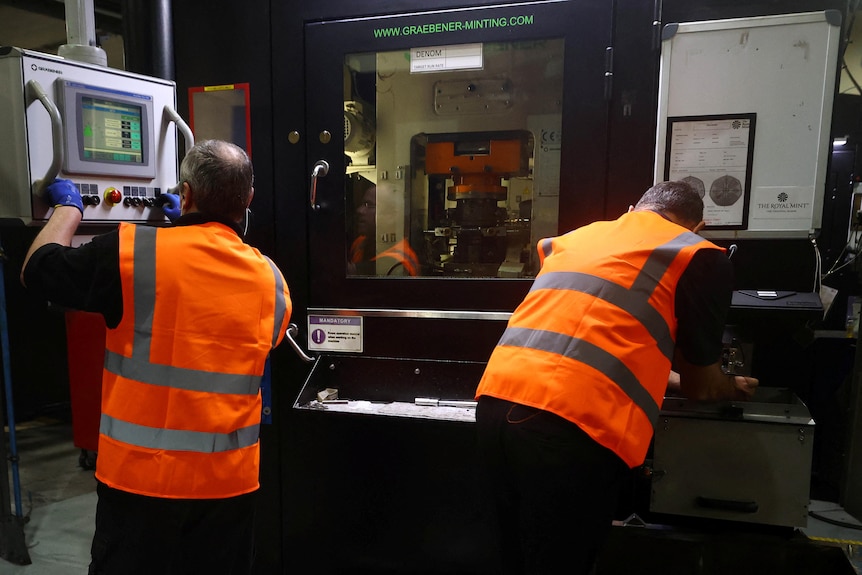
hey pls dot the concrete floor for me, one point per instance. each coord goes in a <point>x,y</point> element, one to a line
<point>59,500</point>
<point>850,539</point>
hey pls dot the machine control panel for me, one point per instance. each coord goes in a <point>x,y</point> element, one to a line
<point>111,132</point>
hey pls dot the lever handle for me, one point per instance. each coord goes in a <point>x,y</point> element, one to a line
<point>320,169</point>
<point>290,334</point>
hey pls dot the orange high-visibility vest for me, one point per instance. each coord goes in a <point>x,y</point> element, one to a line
<point>403,255</point>
<point>181,382</point>
<point>357,250</point>
<point>593,340</point>
<point>401,252</point>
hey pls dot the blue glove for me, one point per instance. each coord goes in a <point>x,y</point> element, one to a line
<point>171,206</point>
<point>63,193</point>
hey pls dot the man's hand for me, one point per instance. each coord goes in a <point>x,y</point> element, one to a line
<point>63,193</point>
<point>171,206</point>
<point>745,385</point>
<point>711,383</point>
<point>62,224</point>
<point>673,384</point>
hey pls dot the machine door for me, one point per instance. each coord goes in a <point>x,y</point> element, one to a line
<point>443,145</point>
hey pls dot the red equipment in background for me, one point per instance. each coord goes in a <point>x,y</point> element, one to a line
<point>85,342</point>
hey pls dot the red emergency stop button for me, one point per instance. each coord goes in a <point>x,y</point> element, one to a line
<point>113,196</point>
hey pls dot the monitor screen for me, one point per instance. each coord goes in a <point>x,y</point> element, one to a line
<point>107,131</point>
<point>111,131</point>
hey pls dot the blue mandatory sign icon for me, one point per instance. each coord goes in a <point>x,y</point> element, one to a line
<point>318,336</point>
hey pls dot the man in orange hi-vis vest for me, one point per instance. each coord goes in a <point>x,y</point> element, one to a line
<point>192,314</point>
<point>572,391</point>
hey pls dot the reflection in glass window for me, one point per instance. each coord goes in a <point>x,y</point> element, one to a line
<point>452,173</point>
<point>364,256</point>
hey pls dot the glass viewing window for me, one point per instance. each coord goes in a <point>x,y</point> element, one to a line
<point>453,170</point>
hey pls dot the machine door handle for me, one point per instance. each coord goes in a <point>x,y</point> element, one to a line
<point>320,169</point>
<point>290,334</point>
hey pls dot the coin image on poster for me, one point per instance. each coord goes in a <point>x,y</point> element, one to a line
<point>725,191</point>
<point>696,185</point>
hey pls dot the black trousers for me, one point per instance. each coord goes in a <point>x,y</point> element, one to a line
<point>553,490</point>
<point>149,535</point>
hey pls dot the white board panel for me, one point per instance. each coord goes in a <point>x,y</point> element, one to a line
<point>779,70</point>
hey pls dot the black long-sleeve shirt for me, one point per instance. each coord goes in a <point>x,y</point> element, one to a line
<point>87,277</point>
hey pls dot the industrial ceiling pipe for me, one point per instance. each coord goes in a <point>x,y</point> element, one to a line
<point>81,34</point>
<point>148,37</point>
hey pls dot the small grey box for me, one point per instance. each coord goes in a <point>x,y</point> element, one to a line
<point>741,461</point>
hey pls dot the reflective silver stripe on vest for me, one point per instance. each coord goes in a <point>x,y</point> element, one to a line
<point>547,246</point>
<point>177,439</point>
<point>635,304</point>
<point>589,354</point>
<point>180,378</point>
<point>634,300</point>
<point>144,282</point>
<point>280,302</point>
<point>660,259</point>
<point>138,366</point>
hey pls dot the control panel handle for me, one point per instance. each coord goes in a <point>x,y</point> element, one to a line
<point>184,129</point>
<point>35,92</point>
<point>320,169</point>
<point>290,334</point>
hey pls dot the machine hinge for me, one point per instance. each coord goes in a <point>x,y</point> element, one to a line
<point>609,72</point>
<point>656,35</point>
<point>656,26</point>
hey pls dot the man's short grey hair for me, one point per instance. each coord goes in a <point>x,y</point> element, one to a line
<point>674,197</point>
<point>221,177</point>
